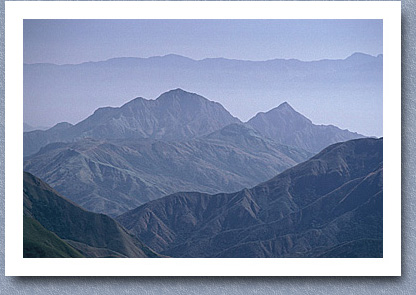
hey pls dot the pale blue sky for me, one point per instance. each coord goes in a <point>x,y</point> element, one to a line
<point>76,41</point>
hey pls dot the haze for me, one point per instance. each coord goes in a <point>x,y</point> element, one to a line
<point>77,41</point>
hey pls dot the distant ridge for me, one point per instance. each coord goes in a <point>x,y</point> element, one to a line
<point>342,83</point>
<point>120,158</point>
<point>174,115</point>
<point>174,56</point>
<point>286,126</point>
<point>28,128</point>
<point>181,115</point>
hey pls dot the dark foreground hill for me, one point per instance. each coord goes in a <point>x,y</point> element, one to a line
<point>328,206</point>
<point>54,227</point>
<point>113,177</point>
<point>38,242</point>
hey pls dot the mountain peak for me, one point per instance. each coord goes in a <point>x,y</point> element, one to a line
<point>176,114</point>
<point>171,56</point>
<point>360,57</point>
<point>61,126</point>
<point>135,100</point>
<point>285,106</point>
<point>178,91</point>
<point>285,109</point>
<point>289,127</point>
<point>181,96</point>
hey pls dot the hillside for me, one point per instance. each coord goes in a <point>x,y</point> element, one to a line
<point>112,177</point>
<point>328,206</point>
<point>91,234</point>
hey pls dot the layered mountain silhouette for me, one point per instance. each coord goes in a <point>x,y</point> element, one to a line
<point>328,206</point>
<point>286,126</point>
<point>113,177</point>
<point>34,140</point>
<point>56,227</point>
<point>175,115</point>
<point>27,127</point>
<point>120,158</point>
<point>351,85</point>
<point>178,115</point>
<point>183,177</point>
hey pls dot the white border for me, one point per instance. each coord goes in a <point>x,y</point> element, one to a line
<point>389,265</point>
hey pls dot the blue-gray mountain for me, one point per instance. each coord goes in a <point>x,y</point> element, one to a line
<point>178,115</point>
<point>114,176</point>
<point>175,115</point>
<point>27,128</point>
<point>328,206</point>
<point>120,158</point>
<point>286,126</point>
<point>56,227</point>
<point>350,89</point>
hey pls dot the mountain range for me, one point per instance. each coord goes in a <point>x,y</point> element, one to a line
<point>27,128</point>
<point>352,87</point>
<point>241,174</point>
<point>178,115</point>
<point>120,158</point>
<point>328,206</point>
<point>175,115</point>
<point>189,185</point>
<point>113,177</point>
<point>56,227</point>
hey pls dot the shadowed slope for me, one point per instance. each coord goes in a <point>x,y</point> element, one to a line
<point>38,242</point>
<point>98,233</point>
<point>113,177</point>
<point>325,206</point>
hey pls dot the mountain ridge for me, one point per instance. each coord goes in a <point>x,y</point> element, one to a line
<point>38,242</point>
<point>174,115</point>
<point>333,199</point>
<point>173,55</point>
<point>181,115</point>
<point>287,126</point>
<point>99,234</point>
<point>113,176</point>
<point>233,83</point>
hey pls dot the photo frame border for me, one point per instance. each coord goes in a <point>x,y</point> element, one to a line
<point>389,265</point>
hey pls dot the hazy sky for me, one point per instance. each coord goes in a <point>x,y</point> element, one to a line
<point>76,41</point>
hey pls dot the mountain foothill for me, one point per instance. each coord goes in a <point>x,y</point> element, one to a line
<point>179,176</point>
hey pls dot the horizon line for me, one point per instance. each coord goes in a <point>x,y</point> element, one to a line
<point>198,60</point>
